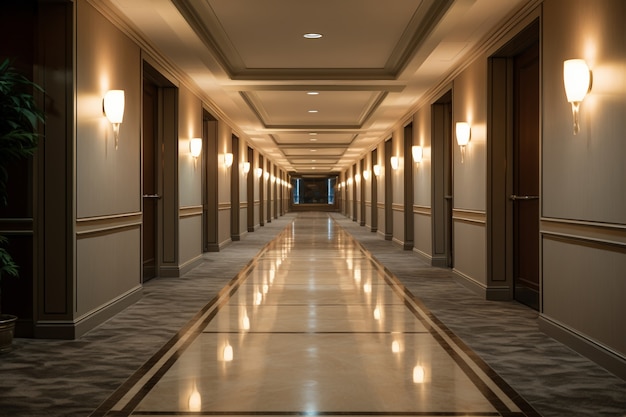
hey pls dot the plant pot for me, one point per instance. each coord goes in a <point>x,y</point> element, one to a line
<point>7,327</point>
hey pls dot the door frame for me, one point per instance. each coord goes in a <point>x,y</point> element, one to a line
<point>374,185</point>
<point>500,124</point>
<point>408,187</point>
<point>388,176</point>
<point>166,262</point>
<point>442,184</point>
<point>210,183</point>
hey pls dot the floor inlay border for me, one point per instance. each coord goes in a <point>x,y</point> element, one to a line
<point>463,355</point>
<point>126,398</point>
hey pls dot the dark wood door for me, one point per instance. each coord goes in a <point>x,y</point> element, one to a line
<point>235,233</point>
<point>388,191</point>
<point>526,178</point>
<point>374,210</point>
<point>150,185</point>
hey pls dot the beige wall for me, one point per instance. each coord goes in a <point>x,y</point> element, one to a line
<point>422,191</point>
<point>583,196</point>
<point>224,145</point>
<point>469,104</point>
<point>584,176</point>
<point>189,179</point>
<point>108,188</point>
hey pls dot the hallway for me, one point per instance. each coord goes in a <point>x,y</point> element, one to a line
<point>322,321</point>
<point>313,325</point>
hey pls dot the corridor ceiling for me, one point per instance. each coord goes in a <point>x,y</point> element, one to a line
<point>373,63</point>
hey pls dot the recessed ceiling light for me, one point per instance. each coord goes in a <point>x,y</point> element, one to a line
<point>313,93</point>
<point>312,111</point>
<point>313,150</point>
<point>313,140</point>
<point>312,35</point>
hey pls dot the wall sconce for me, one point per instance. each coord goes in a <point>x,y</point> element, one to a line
<point>463,134</point>
<point>113,108</point>
<point>357,178</point>
<point>418,153</point>
<point>195,147</point>
<point>266,175</point>
<point>395,162</point>
<point>577,80</point>
<point>246,167</point>
<point>258,172</point>
<point>377,170</point>
<point>228,160</point>
<point>366,174</point>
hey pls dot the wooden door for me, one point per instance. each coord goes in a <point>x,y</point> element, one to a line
<point>525,195</point>
<point>150,184</point>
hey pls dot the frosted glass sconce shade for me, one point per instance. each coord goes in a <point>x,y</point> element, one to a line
<point>228,160</point>
<point>377,170</point>
<point>195,147</point>
<point>258,172</point>
<point>246,167</point>
<point>113,107</point>
<point>463,134</point>
<point>394,162</point>
<point>577,80</point>
<point>366,175</point>
<point>418,153</point>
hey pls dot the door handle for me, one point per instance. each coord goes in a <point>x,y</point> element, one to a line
<point>158,197</point>
<point>448,197</point>
<point>514,197</point>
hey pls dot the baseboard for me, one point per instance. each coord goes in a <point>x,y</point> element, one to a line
<point>439,261</point>
<point>469,283</point>
<point>213,247</point>
<point>73,329</point>
<point>503,293</point>
<point>423,255</point>
<point>608,359</point>
<point>189,265</point>
<point>169,271</point>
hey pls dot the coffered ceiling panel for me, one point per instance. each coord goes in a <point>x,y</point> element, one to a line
<point>314,138</point>
<point>374,62</point>
<point>315,109</point>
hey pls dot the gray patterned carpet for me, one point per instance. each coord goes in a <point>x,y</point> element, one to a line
<point>72,378</point>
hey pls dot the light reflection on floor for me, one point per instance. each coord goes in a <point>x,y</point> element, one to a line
<point>314,326</point>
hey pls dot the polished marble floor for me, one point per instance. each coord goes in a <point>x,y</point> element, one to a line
<point>330,319</point>
<point>316,326</point>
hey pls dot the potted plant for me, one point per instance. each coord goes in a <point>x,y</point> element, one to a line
<point>19,117</point>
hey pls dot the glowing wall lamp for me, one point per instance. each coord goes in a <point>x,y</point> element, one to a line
<point>228,160</point>
<point>463,134</point>
<point>577,80</point>
<point>377,170</point>
<point>366,174</point>
<point>418,153</point>
<point>395,162</point>
<point>113,107</point>
<point>258,172</point>
<point>246,167</point>
<point>195,147</point>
